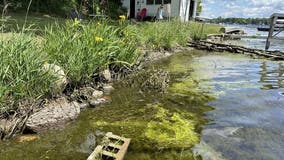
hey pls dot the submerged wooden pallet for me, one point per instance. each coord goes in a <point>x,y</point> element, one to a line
<point>114,148</point>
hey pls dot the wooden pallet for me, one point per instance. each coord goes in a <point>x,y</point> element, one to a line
<point>114,148</point>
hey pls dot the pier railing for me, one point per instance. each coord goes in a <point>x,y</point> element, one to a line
<point>276,23</point>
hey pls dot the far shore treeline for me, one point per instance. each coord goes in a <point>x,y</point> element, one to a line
<point>255,21</point>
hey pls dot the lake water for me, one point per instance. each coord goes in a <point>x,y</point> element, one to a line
<point>251,30</point>
<point>218,106</point>
<point>248,120</point>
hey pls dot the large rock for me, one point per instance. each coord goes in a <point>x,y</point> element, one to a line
<point>61,82</point>
<point>54,115</point>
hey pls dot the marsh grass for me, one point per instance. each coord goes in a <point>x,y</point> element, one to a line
<point>81,49</point>
<point>35,22</point>
<point>200,31</point>
<point>161,34</point>
<point>21,72</point>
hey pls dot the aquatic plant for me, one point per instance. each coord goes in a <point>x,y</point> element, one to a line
<point>171,129</point>
<point>163,128</point>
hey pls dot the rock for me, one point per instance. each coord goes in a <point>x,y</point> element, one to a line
<point>86,93</point>
<point>107,88</point>
<point>97,94</point>
<point>107,75</point>
<point>61,82</point>
<point>26,138</point>
<point>83,105</point>
<point>55,115</point>
<point>96,102</point>
<point>5,126</point>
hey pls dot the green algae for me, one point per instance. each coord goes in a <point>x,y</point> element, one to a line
<point>186,90</point>
<point>164,129</point>
<point>171,129</point>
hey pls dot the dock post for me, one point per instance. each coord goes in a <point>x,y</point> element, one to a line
<point>276,23</point>
<point>273,20</point>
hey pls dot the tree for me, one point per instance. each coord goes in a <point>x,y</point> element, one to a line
<point>199,7</point>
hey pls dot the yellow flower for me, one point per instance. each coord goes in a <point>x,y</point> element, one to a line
<point>76,22</point>
<point>122,17</point>
<point>99,39</point>
<point>99,53</point>
<point>99,23</point>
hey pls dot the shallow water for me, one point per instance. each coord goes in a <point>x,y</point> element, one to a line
<point>246,121</point>
<point>251,30</point>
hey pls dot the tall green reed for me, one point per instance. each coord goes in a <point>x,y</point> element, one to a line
<point>82,48</point>
<point>21,73</point>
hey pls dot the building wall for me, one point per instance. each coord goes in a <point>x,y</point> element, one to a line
<point>177,9</point>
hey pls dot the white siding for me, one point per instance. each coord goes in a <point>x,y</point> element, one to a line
<point>178,9</point>
<point>126,3</point>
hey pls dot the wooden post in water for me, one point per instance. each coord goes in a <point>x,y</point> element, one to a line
<point>276,23</point>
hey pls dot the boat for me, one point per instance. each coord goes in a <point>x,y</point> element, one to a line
<point>266,29</point>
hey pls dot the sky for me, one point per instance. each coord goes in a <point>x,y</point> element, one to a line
<point>241,8</point>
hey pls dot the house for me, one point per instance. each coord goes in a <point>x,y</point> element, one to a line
<point>184,9</point>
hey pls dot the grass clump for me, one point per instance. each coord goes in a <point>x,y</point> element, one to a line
<point>200,31</point>
<point>162,35</point>
<point>81,49</point>
<point>21,72</point>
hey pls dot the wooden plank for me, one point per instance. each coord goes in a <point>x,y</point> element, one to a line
<point>277,15</point>
<point>279,26</point>
<point>272,22</point>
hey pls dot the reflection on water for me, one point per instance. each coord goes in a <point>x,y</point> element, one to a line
<point>257,43</point>
<point>272,75</point>
<point>248,120</point>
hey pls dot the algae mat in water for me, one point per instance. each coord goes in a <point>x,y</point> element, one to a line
<point>161,126</point>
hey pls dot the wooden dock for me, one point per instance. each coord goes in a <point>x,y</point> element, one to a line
<point>113,148</point>
<point>276,23</point>
<point>220,47</point>
<point>223,37</point>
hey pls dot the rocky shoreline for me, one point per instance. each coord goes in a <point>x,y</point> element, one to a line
<point>58,112</point>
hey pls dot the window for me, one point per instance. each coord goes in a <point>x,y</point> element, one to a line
<point>167,1</point>
<point>156,2</point>
<point>150,1</point>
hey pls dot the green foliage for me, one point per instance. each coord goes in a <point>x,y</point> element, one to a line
<point>255,21</point>
<point>21,71</point>
<point>199,7</point>
<point>157,35</point>
<point>60,7</point>
<point>201,30</point>
<point>82,48</point>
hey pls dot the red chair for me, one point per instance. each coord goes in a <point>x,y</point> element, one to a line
<point>142,14</point>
